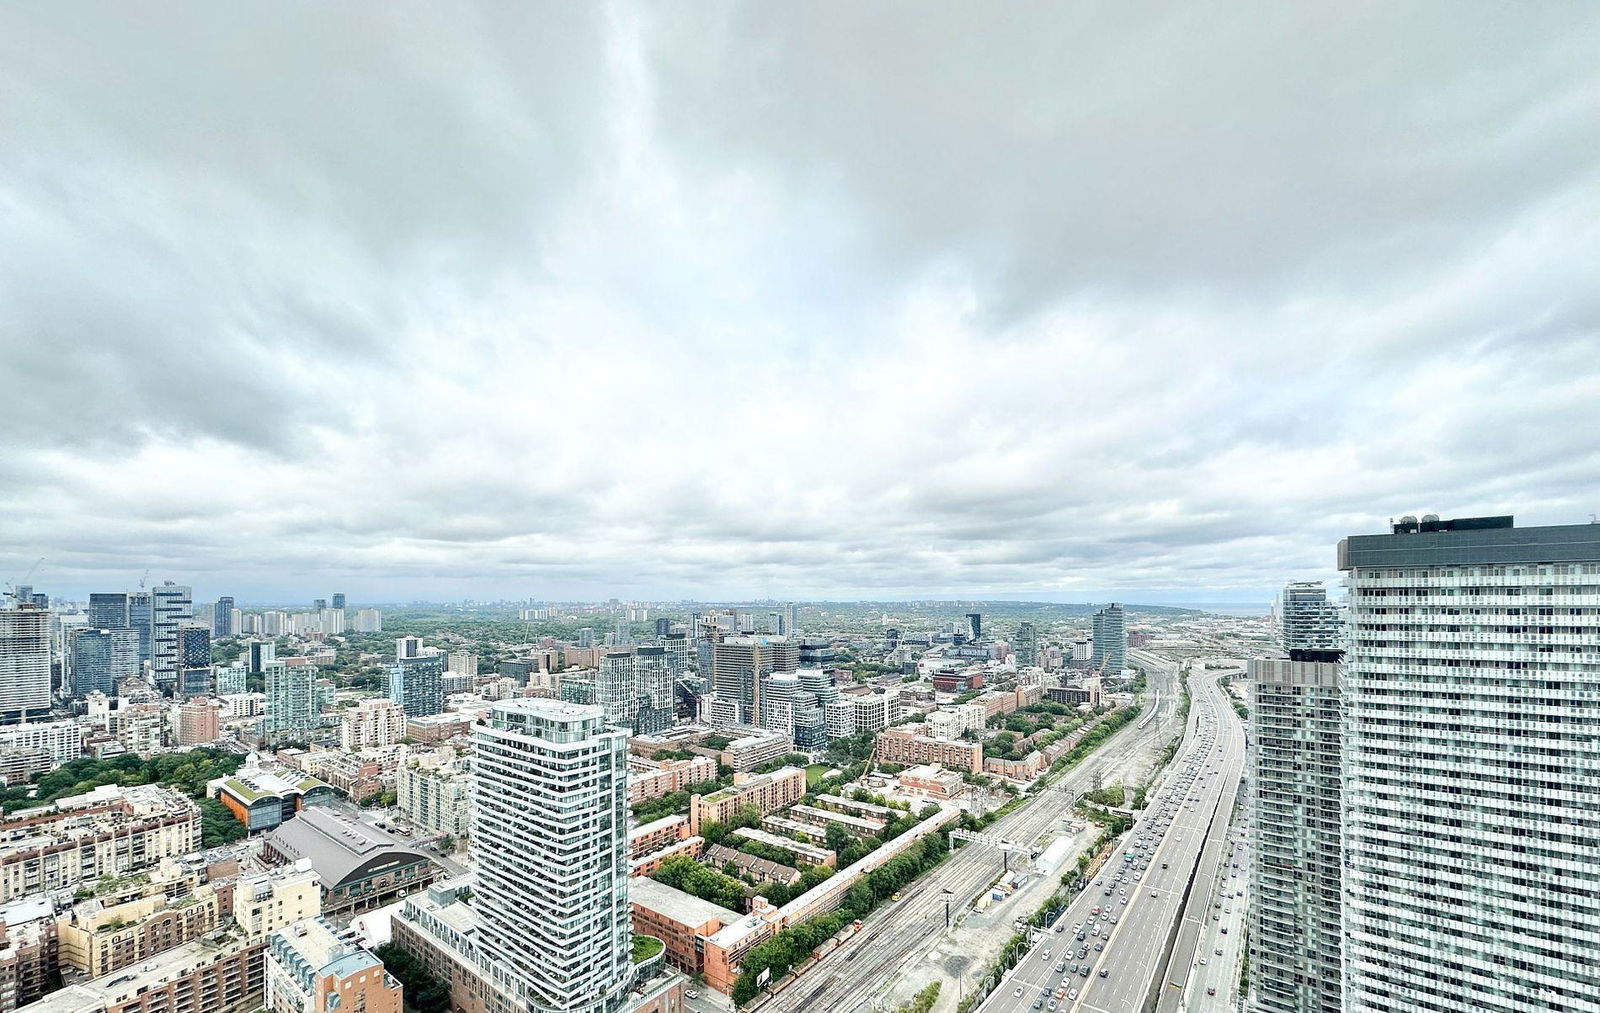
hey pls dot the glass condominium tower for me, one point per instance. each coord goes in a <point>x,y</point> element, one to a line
<point>1471,696</point>
<point>550,838</point>
<point>1295,759</point>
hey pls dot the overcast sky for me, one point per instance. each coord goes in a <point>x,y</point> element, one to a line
<point>1069,301</point>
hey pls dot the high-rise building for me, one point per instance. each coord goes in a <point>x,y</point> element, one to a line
<point>232,679</point>
<point>172,608</point>
<point>141,618</point>
<point>222,618</point>
<point>778,692</point>
<point>624,635</point>
<point>738,664</point>
<point>369,621</point>
<point>680,654</point>
<point>407,647</point>
<point>24,662</point>
<point>194,646</point>
<point>1027,646</point>
<point>791,619</point>
<point>372,724</point>
<point>199,721</point>
<point>318,604</point>
<point>1306,619</point>
<point>1110,639</point>
<point>550,839</point>
<point>260,654</point>
<point>1295,927</point>
<point>338,600</point>
<point>331,621</point>
<point>1471,778</point>
<point>294,707</point>
<point>663,626</point>
<point>653,690</point>
<point>103,658</point>
<point>613,689</point>
<point>633,688</point>
<point>975,626</point>
<point>108,610</point>
<point>417,684</point>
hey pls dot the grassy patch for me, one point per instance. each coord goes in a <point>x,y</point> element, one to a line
<point>645,947</point>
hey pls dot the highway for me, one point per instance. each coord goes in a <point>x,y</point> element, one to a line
<point>1141,891</point>
<point>845,979</point>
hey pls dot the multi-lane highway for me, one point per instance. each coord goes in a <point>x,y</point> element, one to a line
<point>850,977</point>
<point>1105,953</point>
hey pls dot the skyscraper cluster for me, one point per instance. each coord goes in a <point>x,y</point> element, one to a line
<point>1460,728</point>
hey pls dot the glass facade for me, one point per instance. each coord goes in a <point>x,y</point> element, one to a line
<point>1471,695</point>
<point>550,839</point>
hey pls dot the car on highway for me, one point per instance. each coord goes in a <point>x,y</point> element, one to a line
<point>1219,952</point>
<point>1105,972</point>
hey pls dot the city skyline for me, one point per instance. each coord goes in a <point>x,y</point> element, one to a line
<point>600,301</point>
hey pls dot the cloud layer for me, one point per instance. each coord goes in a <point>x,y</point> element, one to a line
<point>830,300</point>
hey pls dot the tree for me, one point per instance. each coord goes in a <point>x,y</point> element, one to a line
<point>217,824</point>
<point>423,992</point>
<point>684,873</point>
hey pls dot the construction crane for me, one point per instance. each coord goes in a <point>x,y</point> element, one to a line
<point>143,579</point>
<point>11,588</point>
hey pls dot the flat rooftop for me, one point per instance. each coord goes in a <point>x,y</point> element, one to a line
<point>683,908</point>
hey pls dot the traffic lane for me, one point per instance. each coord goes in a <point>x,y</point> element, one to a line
<point>1216,794</point>
<point>1132,965</point>
<point>1219,970</point>
<point>1144,929</point>
<point>1036,973</point>
<point>1235,902</point>
<point>1183,960</point>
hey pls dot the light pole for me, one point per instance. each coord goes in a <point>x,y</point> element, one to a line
<point>947,896</point>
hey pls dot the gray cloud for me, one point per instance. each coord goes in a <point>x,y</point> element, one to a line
<point>746,300</point>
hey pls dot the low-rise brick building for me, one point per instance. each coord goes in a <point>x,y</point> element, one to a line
<point>767,792</point>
